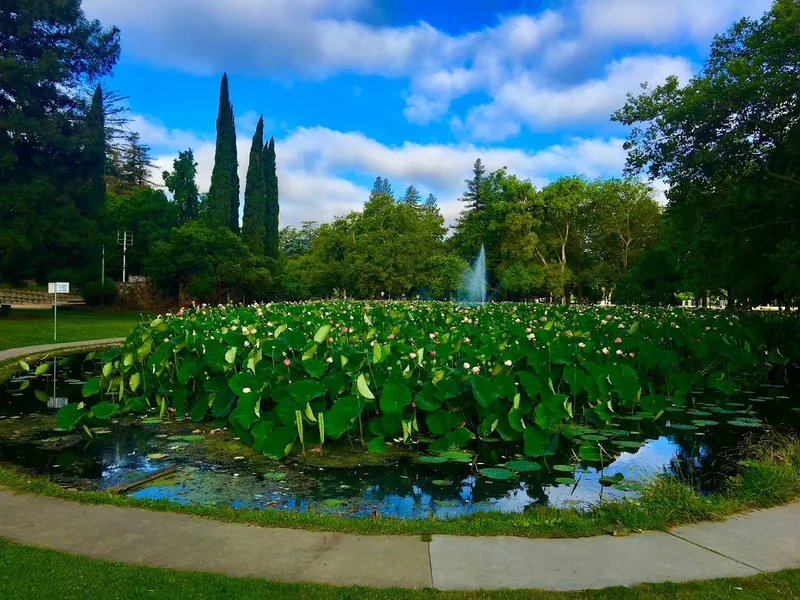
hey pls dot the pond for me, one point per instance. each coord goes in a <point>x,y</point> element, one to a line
<point>211,467</point>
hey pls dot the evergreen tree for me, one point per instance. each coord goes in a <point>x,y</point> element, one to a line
<point>223,194</point>
<point>136,161</point>
<point>472,197</point>
<point>234,175</point>
<point>412,196</point>
<point>272,238</point>
<point>382,186</point>
<point>93,203</point>
<point>430,205</point>
<point>181,182</point>
<point>430,200</point>
<point>254,226</point>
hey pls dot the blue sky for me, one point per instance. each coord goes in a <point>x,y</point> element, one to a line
<point>405,89</point>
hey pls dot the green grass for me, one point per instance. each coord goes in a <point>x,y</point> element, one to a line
<point>34,327</point>
<point>771,477</point>
<point>29,573</point>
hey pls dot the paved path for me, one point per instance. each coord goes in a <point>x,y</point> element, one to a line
<point>29,350</point>
<point>744,545</point>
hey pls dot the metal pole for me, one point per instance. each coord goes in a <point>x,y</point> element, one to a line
<point>124,255</point>
<point>55,311</point>
<point>103,268</point>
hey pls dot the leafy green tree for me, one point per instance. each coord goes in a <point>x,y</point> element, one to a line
<point>146,213</point>
<point>298,241</point>
<point>728,143</point>
<point>181,182</point>
<point>223,195</point>
<point>49,53</point>
<point>272,239</point>
<point>254,227</point>
<point>212,265</point>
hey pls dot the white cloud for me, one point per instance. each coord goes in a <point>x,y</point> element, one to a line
<point>659,21</point>
<point>312,163</point>
<point>529,100</point>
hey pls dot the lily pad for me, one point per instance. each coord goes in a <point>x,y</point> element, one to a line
<point>697,413</point>
<point>565,480</point>
<point>594,438</point>
<point>157,456</point>
<point>628,486</point>
<point>683,426</point>
<point>431,459</point>
<point>496,473</point>
<point>745,423</point>
<point>609,480</point>
<point>523,466</point>
<point>564,468</point>
<point>333,502</point>
<point>186,438</point>
<point>628,444</point>
<point>151,420</point>
<point>441,482</point>
<point>704,422</point>
<point>456,456</point>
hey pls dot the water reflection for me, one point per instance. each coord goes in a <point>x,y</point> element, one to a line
<point>123,452</point>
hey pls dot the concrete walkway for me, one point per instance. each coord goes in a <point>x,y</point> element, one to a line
<point>745,545</point>
<point>30,350</point>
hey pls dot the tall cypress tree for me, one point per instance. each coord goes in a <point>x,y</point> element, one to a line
<point>254,221</point>
<point>95,156</point>
<point>272,208</point>
<point>234,176</point>
<point>223,194</point>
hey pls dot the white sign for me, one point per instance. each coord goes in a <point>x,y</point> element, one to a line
<point>58,287</point>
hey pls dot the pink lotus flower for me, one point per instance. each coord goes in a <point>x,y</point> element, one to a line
<point>606,350</point>
<point>618,340</point>
<point>631,354</point>
<point>287,362</point>
<point>391,336</point>
<point>476,370</point>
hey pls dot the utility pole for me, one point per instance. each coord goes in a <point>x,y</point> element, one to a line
<point>124,239</point>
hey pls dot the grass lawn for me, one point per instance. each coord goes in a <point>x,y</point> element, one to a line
<point>30,572</point>
<point>34,327</point>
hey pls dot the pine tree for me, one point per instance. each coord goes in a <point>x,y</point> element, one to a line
<point>95,156</point>
<point>136,161</point>
<point>472,197</point>
<point>382,186</point>
<point>272,239</point>
<point>181,182</point>
<point>223,194</point>
<point>254,226</point>
<point>412,196</point>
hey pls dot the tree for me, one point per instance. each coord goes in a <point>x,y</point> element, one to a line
<point>412,196</point>
<point>223,195</point>
<point>298,241</point>
<point>382,186</point>
<point>272,239</point>
<point>148,215</point>
<point>181,182</point>
<point>93,204</point>
<point>472,198</point>
<point>209,264</point>
<point>254,226</point>
<point>728,143</point>
<point>136,162</point>
<point>50,54</point>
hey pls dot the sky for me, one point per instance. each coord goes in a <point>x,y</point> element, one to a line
<point>410,90</point>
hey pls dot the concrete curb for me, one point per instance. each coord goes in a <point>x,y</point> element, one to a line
<point>744,545</point>
<point>30,350</point>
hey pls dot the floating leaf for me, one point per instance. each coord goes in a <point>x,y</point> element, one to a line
<point>565,480</point>
<point>157,456</point>
<point>496,473</point>
<point>523,466</point>
<point>704,422</point>
<point>683,426</point>
<point>456,456</point>
<point>431,459</point>
<point>333,502</point>
<point>564,468</point>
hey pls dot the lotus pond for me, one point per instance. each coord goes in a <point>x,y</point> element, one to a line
<point>402,409</point>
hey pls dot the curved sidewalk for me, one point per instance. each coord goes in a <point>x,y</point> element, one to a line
<point>29,350</point>
<point>745,545</point>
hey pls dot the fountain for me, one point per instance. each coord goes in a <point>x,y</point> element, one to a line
<point>473,281</point>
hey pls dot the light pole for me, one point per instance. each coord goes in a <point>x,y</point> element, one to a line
<point>124,239</point>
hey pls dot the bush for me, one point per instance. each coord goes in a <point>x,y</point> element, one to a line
<point>96,293</point>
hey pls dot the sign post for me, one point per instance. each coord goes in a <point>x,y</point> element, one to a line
<point>56,288</point>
